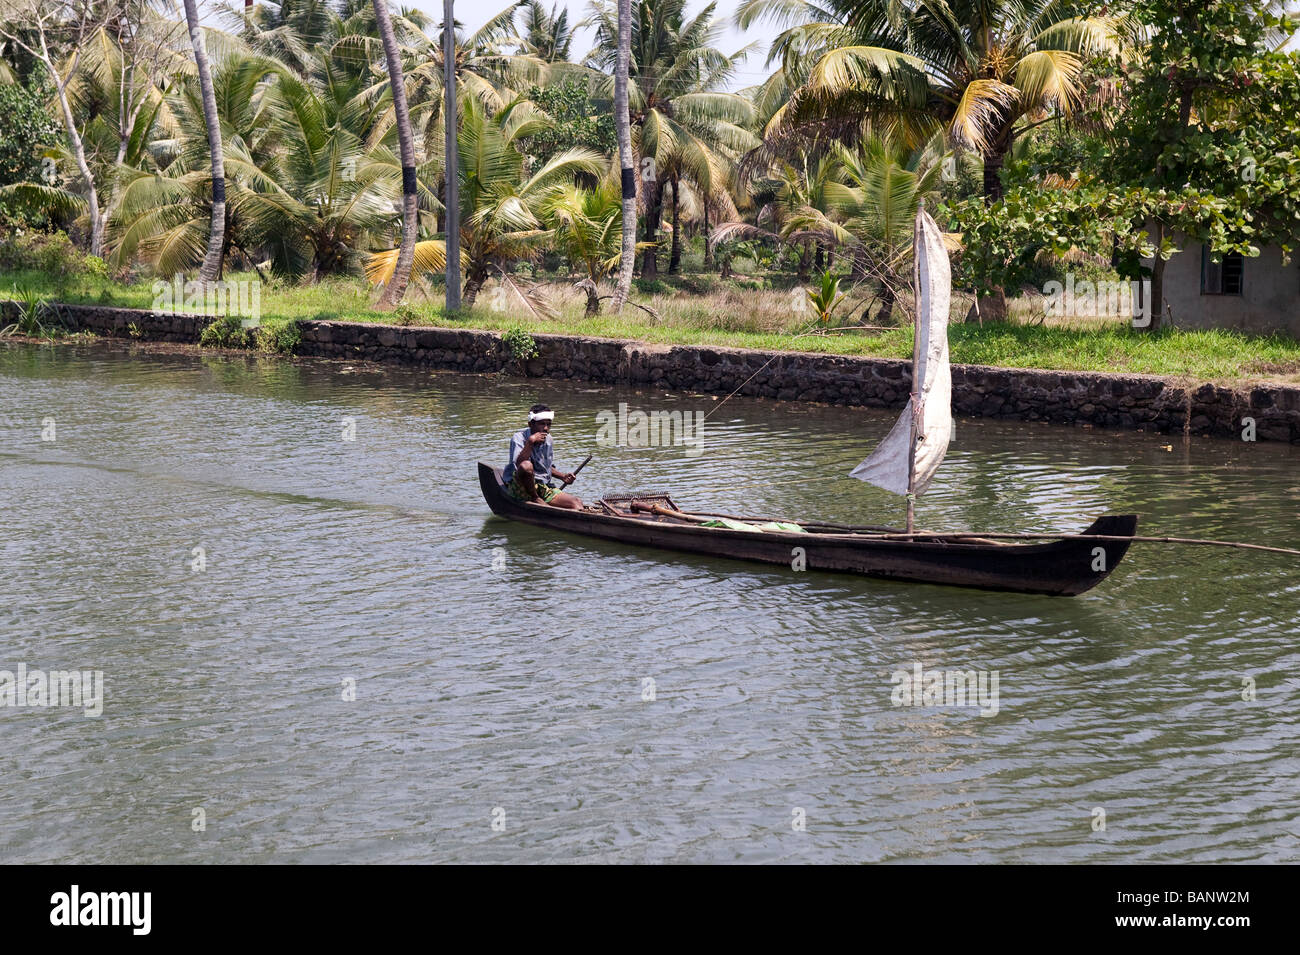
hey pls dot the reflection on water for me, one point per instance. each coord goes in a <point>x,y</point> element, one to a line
<point>521,687</point>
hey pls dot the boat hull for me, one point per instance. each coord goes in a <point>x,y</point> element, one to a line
<point>1059,568</point>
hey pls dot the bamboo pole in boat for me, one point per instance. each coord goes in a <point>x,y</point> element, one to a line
<point>701,517</point>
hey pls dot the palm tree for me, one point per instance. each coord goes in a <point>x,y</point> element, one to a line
<point>306,192</point>
<point>484,64</point>
<point>587,227</point>
<point>163,204</point>
<point>986,70</point>
<point>547,36</point>
<point>293,31</point>
<point>862,197</point>
<point>396,286</point>
<point>212,261</point>
<point>805,195</point>
<point>626,162</point>
<point>888,183</point>
<point>680,116</point>
<point>501,205</point>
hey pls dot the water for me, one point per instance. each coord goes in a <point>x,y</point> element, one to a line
<point>520,688</point>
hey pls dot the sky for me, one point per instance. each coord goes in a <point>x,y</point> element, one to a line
<point>474,13</point>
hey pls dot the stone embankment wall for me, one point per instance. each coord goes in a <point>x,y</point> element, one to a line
<point>1104,400</point>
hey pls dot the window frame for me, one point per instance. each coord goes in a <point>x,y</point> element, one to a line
<point>1238,264</point>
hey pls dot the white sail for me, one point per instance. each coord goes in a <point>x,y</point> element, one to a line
<point>888,465</point>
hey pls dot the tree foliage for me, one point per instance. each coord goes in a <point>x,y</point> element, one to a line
<point>27,133</point>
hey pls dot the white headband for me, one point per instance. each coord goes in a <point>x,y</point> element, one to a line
<point>542,416</point>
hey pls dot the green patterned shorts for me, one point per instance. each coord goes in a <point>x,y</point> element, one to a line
<point>516,490</point>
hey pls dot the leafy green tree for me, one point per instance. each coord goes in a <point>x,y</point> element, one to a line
<point>576,121</point>
<point>26,131</point>
<point>1201,141</point>
<point>1213,106</point>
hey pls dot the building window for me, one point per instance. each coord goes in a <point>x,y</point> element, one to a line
<point>1221,278</point>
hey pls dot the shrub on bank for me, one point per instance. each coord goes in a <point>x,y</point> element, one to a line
<point>279,335</point>
<point>50,252</point>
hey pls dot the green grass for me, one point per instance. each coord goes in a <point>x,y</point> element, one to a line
<point>341,299</point>
<point>732,315</point>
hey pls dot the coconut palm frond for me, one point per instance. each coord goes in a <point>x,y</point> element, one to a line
<point>430,256</point>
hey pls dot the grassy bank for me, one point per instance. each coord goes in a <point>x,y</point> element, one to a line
<point>731,314</point>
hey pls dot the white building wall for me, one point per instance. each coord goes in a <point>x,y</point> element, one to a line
<point>1269,299</point>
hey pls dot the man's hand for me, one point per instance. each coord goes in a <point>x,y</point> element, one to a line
<point>537,438</point>
<point>566,478</point>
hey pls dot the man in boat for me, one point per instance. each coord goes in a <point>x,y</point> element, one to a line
<point>529,471</point>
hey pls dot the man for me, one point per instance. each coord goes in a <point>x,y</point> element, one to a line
<point>528,472</point>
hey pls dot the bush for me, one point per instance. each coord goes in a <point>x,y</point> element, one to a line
<point>652,286</point>
<point>282,336</point>
<point>227,332</point>
<point>411,313</point>
<point>35,315</point>
<point>519,344</point>
<point>52,253</point>
<point>275,335</point>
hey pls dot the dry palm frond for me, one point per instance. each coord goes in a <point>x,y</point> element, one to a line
<point>530,295</point>
<point>430,256</point>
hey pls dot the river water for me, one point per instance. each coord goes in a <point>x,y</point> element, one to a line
<point>325,650</point>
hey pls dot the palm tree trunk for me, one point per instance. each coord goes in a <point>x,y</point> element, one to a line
<point>993,307</point>
<point>217,233</point>
<point>623,127</point>
<point>473,282</point>
<point>451,153</point>
<point>675,258</point>
<point>708,249</point>
<point>886,314</point>
<point>406,146</point>
<point>992,176</point>
<point>654,211</point>
<point>228,237</point>
<point>1157,303</point>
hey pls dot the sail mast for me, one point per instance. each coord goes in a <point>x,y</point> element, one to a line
<point>905,461</point>
<point>917,390</point>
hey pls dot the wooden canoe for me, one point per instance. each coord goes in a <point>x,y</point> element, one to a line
<point>1061,568</point>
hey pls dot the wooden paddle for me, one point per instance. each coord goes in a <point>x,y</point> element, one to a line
<point>575,473</point>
